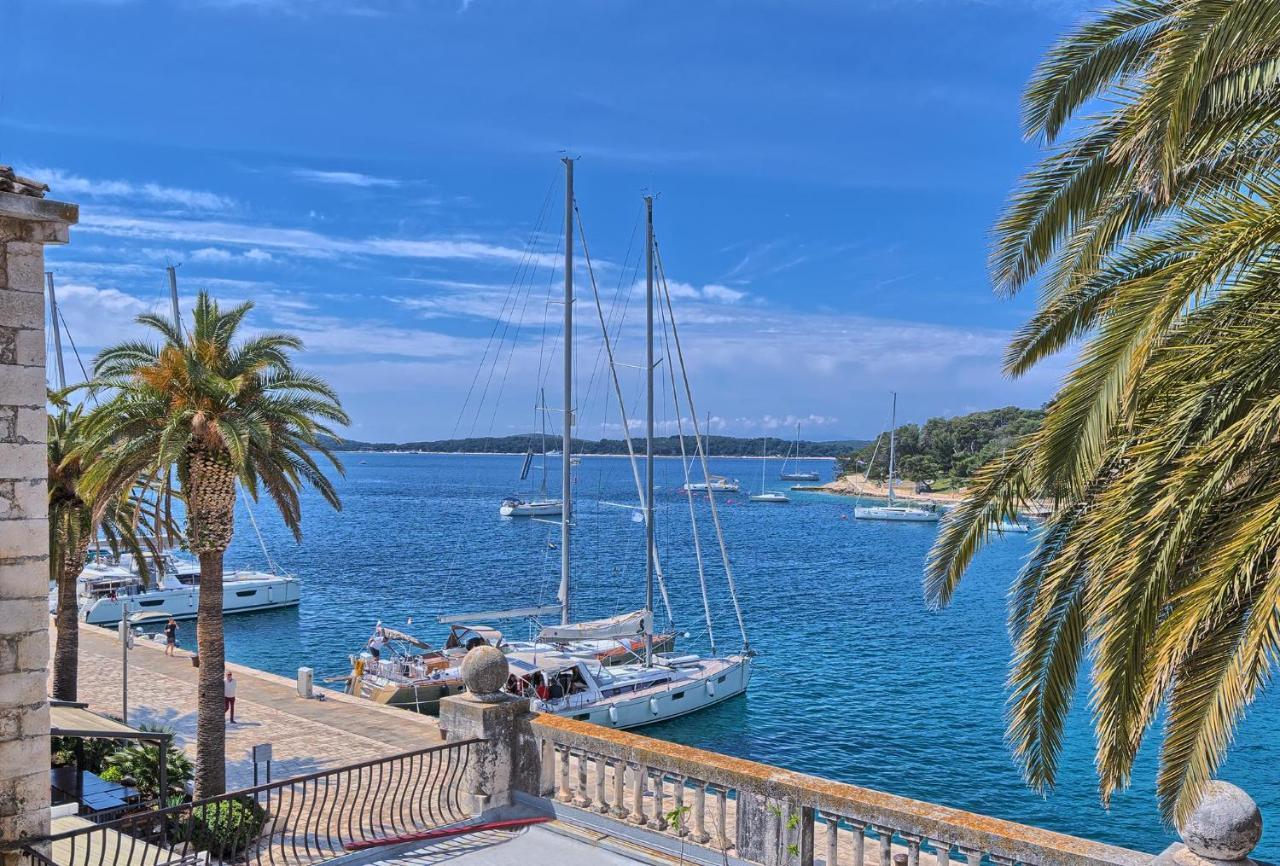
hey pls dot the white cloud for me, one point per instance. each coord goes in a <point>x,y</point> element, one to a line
<point>62,184</point>
<point>710,292</point>
<point>303,242</point>
<point>217,254</point>
<point>343,178</point>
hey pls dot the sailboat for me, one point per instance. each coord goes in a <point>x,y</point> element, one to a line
<point>544,505</point>
<point>717,483</point>
<point>665,685</point>
<point>767,495</point>
<point>784,475</point>
<point>893,511</point>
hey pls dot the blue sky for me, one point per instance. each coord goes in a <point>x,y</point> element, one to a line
<point>371,172</point>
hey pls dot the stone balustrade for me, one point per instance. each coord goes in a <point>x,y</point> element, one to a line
<point>716,809</point>
<point>768,815</point>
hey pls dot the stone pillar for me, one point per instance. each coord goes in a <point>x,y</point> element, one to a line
<point>1222,831</point>
<point>773,831</point>
<point>28,221</point>
<point>508,760</point>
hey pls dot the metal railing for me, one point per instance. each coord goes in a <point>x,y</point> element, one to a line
<point>303,820</point>
<point>762,814</point>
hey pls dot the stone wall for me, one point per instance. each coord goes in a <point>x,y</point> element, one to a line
<point>27,223</point>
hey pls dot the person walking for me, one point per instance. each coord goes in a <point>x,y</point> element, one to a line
<point>170,636</point>
<point>229,693</point>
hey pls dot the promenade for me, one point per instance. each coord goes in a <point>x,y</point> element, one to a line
<point>306,735</point>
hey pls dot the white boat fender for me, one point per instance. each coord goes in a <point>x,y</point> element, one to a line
<point>711,688</point>
<point>653,705</point>
<point>613,715</point>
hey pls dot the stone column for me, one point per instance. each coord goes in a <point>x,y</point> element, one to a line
<point>28,221</point>
<point>508,759</point>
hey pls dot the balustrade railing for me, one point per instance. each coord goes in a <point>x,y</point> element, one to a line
<point>302,820</point>
<point>763,814</point>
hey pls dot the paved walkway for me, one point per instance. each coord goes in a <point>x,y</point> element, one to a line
<point>306,735</point>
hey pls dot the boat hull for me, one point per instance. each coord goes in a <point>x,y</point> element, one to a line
<point>531,509</point>
<point>771,497</point>
<point>719,680</point>
<point>238,596</point>
<point>799,476</point>
<point>902,515</point>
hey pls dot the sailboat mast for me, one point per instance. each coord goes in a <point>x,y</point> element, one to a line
<point>57,331</point>
<point>764,440</point>
<point>893,443</point>
<point>566,449</point>
<point>542,411</point>
<point>648,433</point>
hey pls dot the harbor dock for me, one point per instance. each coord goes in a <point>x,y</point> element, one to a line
<point>306,735</point>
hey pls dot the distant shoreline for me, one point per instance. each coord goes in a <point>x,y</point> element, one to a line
<point>639,455</point>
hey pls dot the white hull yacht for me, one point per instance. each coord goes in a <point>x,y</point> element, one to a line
<point>514,507</point>
<point>105,591</point>
<point>767,495</point>
<point>892,511</point>
<point>627,696</point>
<point>717,483</point>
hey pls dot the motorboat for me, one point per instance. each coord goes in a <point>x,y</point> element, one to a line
<point>108,590</point>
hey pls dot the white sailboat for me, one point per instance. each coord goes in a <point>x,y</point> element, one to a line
<point>801,475</point>
<point>893,511</point>
<point>716,483</point>
<point>543,505</point>
<point>664,685</point>
<point>767,495</point>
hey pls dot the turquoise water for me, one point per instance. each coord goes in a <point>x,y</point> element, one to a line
<point>855,680</point>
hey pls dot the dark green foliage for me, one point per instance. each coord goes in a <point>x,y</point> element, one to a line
<point>226,828</point>
<point>63,751</point>
<point>664,446</point>
<point>139,763</point>
<point>946,447</point>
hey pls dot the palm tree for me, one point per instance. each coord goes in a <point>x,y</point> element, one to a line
<point>136,519</point>
<point>1154,229</point>
<point>220,411</point>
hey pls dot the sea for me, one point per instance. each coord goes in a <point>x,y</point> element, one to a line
<point>855,680</point>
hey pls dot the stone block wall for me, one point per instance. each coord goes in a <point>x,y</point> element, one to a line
<point>26,224</point>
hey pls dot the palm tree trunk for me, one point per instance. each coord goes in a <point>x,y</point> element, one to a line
<point>211,761</point>
<point>66,654</point>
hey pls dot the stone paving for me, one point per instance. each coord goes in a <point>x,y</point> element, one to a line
<point>306,735</point>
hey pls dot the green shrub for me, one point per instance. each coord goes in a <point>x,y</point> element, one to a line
<point>139,763</point>
<point>111,774</point>
<point>226,829</point>
<point>63,751</point>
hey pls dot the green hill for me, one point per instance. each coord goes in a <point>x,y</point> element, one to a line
<point>665,446</point>
<point>945,447</point>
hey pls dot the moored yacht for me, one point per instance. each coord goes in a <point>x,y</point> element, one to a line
<point>106,589</point>
<point>892,511</point>
<point>716,483</point>
<point>514,506</point>
<point>626,696</point>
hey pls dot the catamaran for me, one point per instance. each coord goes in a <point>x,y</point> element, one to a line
<point>893,511</point>
<point>801,475</point>
<point>767,495</point>
<point>543,505</point>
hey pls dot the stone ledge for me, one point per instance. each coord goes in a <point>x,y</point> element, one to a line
<point>42,210</point>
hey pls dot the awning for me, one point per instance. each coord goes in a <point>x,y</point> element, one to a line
<point>70,720</point>
<point>621,626</point>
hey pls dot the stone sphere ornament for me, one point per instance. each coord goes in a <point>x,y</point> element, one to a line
<point>1225,826</point>
<point>484,673</point>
